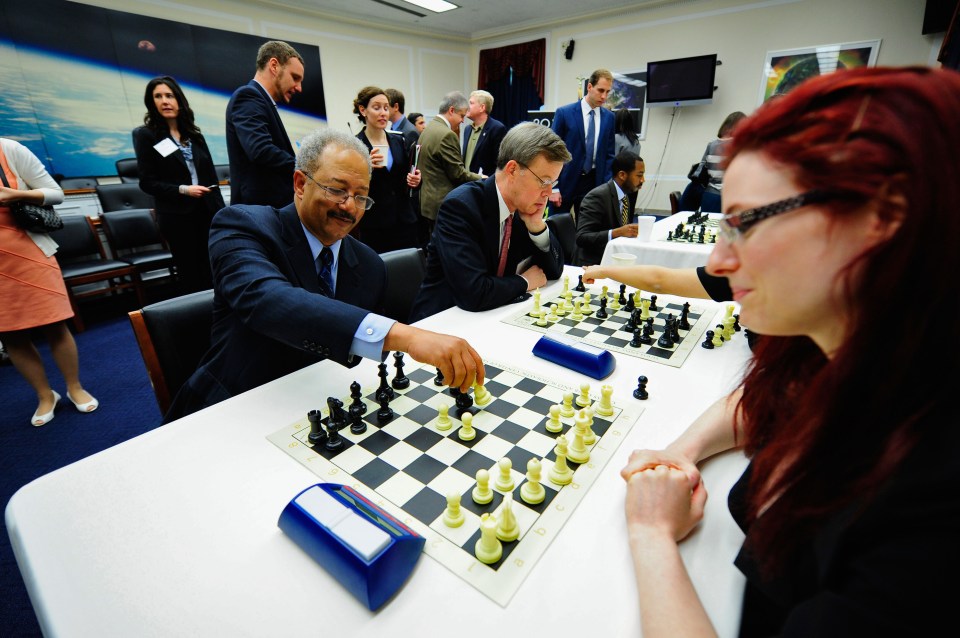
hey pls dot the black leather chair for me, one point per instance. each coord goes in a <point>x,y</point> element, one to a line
<point>86,269</point>
<point>134,237</point>
<point>565,228</point>
<point>674,202</point>
<point>127,170</point>
<point>122,196</point>
<point>223,172</point>
<point>405,270</point>
<point>173,335</point>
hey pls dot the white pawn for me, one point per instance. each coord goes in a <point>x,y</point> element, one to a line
<point>480,395</point>
<point>444,422</point>
<point>554,313</point>
<point>614,302</point>
<point>536,303</point>
<point>542,319</point>
<point>718,338</point>
<point>577,311</point>
<point>567,409</point>
<point>589,437</point>
<point>553,423</point>
<point>566,285</point>
<point>531,491</point>
<point>560,473</point>
<point>568,301</point>
<point>507,527</point>
<point>488,549</point>
<point>606,292</point>
<point>584,399</point>
<point>452,516</point>
<point>605,405</point>
<point>505,479</point>
<point>467,433</point>
<point>482,494</point>
<point>585,307</point>
<point>578,451</point>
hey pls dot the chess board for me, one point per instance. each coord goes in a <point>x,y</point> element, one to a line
<point>408,466</point>
<point>689,233</point>
<point>609,333</point>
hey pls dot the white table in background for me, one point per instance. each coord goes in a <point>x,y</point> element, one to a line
<point>658,251</point>
<point>174,532</point>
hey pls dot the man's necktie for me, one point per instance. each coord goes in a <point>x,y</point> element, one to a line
<point>325,278</point>
<point>591,133</point>
<point>625,211</point>
<point>505,245</point>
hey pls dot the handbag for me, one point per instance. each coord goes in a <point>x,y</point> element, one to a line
<point>35,218</point>
<point>699,174</point>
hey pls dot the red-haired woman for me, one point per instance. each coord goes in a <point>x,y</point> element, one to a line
<point>839,242</point>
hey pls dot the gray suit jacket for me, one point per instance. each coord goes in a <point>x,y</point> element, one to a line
<point>441,166</point>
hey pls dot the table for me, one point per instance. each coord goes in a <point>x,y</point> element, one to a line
<point>175,533</point>
<point>658,251</point>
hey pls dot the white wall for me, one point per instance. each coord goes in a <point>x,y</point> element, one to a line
<point>740,31</point>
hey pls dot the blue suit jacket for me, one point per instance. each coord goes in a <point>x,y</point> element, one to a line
<point>261,156</point>
<point>487,148</point>
<point>269,317</point>
<point>463,255</point>
<point>568,124</point>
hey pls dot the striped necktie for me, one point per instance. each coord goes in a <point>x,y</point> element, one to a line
<point>505,245</point>
<point>625,210</point>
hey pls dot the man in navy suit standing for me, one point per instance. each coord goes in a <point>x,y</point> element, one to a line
<point>589,132</point>
<point>292,287</point>
<point>261,156</point>
<point>481,140</point>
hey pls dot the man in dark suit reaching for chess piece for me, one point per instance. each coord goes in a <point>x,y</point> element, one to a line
<point>481,140</point>
<point>605,211</point>
<point>491,243</point>
<point>260,153</point>
<point>292,287</point>
<point>589,131</point>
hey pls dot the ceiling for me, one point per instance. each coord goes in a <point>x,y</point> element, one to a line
<point>474,19</point>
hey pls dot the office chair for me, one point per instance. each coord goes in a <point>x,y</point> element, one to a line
<point>173,336</point>
<point>84,264</point>
<point>122,196</point>
<point>565,228</point>
<point>127,170</point>
<point>406,268</point>
<point>223,172</point>
<point>674,202</point>
<point>134,237</point>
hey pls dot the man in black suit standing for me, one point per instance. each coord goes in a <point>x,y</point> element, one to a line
<point>491,243</point>
<point>399,121</point>
<point>292,287</point>
<point>261,156</point>
<point>481,140</point>
<point>605,211</point>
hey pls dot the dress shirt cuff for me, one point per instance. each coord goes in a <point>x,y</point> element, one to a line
<point>542,239</point>
<point>370,335</point>
<point>609,234</point>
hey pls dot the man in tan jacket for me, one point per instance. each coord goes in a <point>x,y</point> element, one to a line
<point>440,162</point>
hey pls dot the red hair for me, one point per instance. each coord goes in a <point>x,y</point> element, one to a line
<point>825,434</point>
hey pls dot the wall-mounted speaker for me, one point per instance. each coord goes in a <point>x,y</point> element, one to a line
<point>568,53</point>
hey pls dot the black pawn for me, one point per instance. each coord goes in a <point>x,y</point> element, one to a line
<point>334,440</point>
<point>400,381</point>
<point>736,323</point>
<point>630,306</point>
<point>623,294</point>
<point>384,414</point>
<point>646,334</point>
<point>438,380</point>
<point>464,401</point>
<point>602,312</point>
<point>357,425</point>
<point>317,435</point>
<point>384,386</point>
<point>637,336</point>
<point>708,341</point>
<point>653,303</point>
<point>357,398</point>
<point>580,287</point>
<point>641,391</point>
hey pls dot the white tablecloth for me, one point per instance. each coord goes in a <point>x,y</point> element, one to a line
<point>658,251</point>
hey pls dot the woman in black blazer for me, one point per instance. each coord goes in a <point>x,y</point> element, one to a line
<point>392,222</point>
<point>176,168</point>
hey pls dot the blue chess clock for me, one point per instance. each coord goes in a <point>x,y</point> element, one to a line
<point>584,358</point>
<point>370,552</point>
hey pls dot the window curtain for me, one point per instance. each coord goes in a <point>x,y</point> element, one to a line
<point>514,76</point>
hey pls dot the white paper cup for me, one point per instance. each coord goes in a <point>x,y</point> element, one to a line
<point>383,154</point>
<point>624,259</point>
<point>645,227</point>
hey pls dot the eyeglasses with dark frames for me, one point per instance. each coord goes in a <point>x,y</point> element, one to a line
<point>733,226</point>
<point>340,196</point>
<point>544,185</point>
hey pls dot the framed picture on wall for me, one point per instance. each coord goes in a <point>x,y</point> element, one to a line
<point>784,70</point>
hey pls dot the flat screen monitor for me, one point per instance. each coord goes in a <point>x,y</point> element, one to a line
<point>682,81</point>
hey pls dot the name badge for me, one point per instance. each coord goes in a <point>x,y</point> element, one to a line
<point>165,146</point>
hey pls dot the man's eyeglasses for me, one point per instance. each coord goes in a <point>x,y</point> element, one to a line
<point>734,225</point>
<point>340,196</point>
<point>544,185</point>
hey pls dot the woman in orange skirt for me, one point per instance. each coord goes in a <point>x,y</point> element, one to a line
<point>32,291</point>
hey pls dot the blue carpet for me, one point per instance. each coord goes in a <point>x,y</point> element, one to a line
<point>112,370</point>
